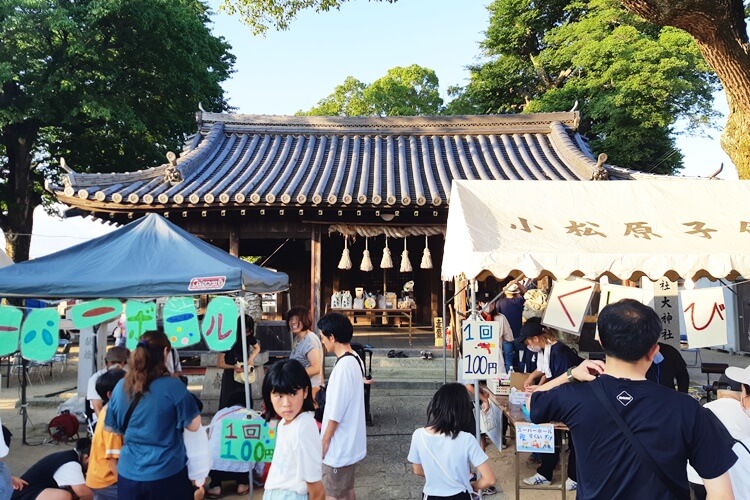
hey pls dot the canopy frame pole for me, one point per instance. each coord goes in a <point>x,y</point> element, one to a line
<point>474,316</point>
<point>245,369</point>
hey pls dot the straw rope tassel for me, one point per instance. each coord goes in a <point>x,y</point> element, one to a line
<point>405,264</point>
<point>387,261</point>
<point>346,261</point>
<point>366,264</point>
<point>426,256</point>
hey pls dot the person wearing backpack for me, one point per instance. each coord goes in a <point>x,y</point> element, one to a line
<point>343,430</point>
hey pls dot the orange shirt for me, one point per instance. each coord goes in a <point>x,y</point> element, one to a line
<point>104,445</point>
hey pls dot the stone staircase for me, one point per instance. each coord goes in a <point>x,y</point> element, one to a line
<point>413,372</point>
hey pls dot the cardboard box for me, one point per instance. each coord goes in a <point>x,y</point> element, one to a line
<point>517,380</point>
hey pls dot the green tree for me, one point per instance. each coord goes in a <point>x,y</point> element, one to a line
<point>110,85</point>
<point>720,30</point>
<point>408,91</point>
<point>631,79</point>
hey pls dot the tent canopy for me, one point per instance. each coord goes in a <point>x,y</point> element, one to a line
<point>150,257</point>
<point>627,229</point>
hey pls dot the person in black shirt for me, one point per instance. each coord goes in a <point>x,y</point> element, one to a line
<point>57,475</point>
<point>672,427</point>
<point>669,368</point>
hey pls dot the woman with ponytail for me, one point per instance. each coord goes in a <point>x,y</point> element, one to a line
<point>150,409</point>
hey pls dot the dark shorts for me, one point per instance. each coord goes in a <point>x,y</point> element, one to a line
<point>177,487</point>
<point>338,481</point>
<point>458,496</point>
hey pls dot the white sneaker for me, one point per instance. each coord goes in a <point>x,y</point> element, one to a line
<point>536,480</point>
<point>571,485</point>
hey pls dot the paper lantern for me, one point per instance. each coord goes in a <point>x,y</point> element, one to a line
<point>405,263</point>
<point>386,262</point>
<point>426,256</point>
<point>366,264</point>
<point>346,261</point>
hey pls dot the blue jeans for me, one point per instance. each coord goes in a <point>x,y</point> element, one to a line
<point>509,354</point>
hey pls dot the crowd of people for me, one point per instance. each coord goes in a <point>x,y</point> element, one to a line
<point>624,442</point>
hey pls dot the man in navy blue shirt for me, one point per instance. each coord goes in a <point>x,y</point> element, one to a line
<point>672,426</point>
<point>511,306</point>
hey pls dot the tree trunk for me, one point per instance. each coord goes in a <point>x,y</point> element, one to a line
<point>718,27</point>
<point>17,224</point>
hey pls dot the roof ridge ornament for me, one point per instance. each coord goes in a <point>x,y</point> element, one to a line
<point>171,174</point>
<point>600,173</point>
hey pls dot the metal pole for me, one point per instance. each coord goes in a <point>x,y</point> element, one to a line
<point>445,340</point>
<point>473,316</point>
<point>245,368</point>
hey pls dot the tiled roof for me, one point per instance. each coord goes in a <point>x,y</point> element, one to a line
<point>246,160</point>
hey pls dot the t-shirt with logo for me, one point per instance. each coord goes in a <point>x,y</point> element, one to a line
<point>672,426</point>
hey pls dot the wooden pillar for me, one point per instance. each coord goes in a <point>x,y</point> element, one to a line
<point>315,265</point>
<point>234,241</point>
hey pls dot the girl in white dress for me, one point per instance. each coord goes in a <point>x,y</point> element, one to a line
<point>296,469</point>
<point>448,436</point>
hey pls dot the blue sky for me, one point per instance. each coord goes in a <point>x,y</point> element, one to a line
<point>292,70</point>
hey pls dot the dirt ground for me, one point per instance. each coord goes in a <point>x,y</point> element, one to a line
<point>64,381</point>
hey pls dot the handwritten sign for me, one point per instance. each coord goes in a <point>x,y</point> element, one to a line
<point>251,440</point>
<point>615,293</point>
<point>704,312</point>
<point>666,306</point>
<point>40,334</point>
<point>92,313</point>
<point>140,317</point>
<point>567,304</point>
<point>10,329</point>
<point>220,324</point>
<point>535,438</point>
<point>181,322</point>
<point>437,329</point>
<point>483,350</point>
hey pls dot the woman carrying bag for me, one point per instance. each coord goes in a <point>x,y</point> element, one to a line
<point>150,410</point>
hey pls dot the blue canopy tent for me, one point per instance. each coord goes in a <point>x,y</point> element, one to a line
<point>150,257</point>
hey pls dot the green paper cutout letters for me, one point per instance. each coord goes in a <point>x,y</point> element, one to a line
<point>220,324</point>
<point>10,329</point>
<point>181,322</point>
<point>95,312</point>
<point>140,318</point>
<point>40,334</point>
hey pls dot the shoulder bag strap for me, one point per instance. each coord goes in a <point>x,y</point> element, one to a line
<point>129,413</point>
<point>637,446</point>
<point>424,442</point>
<point>359,361</point>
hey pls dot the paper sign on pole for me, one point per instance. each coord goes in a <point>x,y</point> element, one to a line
<point>251,440</point>
<point>220,324</point>
<point>95,312</point>
<point>535,438</point>
<point>483,350</point>
<point>40,334</point>
<point>140,317</point>
<point>567,304</point>
<point>667,307</point>
<point>705,316</point>
<point>181,322</point>
<point>10,329</point>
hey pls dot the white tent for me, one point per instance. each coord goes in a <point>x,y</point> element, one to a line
<point>4,259</point>
<point>684,227</point>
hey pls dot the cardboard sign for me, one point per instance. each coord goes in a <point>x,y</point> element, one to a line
<point>535,438</point>
<point>181,322</point>
<point>705,317</point>
<point>40,334</point>
<point>567,304</point>
<point>140,317</point>
<point>10,329</point>
<point>220,324</point>
<point>251,440</point>
<point>92,313</point>
<point>482,350</point>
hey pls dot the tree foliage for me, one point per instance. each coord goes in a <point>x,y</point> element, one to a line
<point>111,86</point>
<point>631,79</point>
<point>403,91</point>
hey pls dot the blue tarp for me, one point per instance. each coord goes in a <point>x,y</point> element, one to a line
<point>150,257</point>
